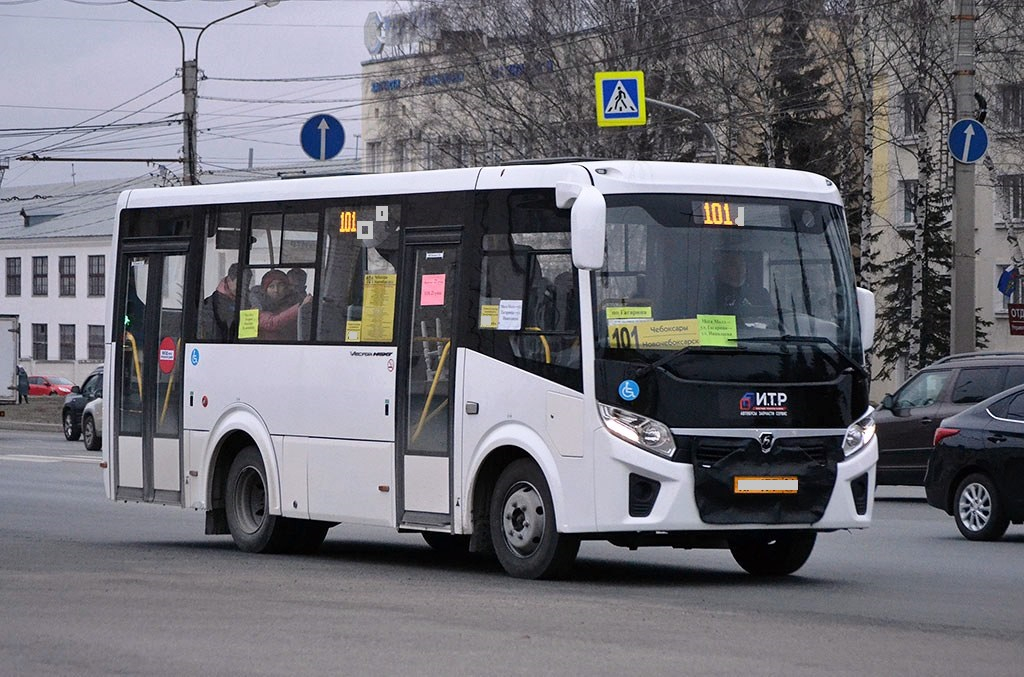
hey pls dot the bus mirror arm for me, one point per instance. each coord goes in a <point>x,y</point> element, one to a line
<point>587,222</point>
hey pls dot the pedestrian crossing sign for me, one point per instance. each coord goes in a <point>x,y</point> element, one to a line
<point>620,98</point>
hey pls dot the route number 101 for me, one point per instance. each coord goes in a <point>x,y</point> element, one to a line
<point>718,214</point>
<point>625,337</point>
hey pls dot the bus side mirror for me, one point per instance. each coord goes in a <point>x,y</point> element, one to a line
<point>587,223</point>
<point>866,308</point>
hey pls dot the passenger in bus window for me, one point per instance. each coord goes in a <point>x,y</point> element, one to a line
<point>278,314</point>
<point>217,318</point>
<point>297,284</point>
<point>734,291</point>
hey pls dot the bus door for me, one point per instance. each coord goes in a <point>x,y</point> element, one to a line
<point>426,385</point>
<point>147,418</point>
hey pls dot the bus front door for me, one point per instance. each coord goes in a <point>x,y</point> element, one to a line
<point>424,463</point>
<point>147,418</point>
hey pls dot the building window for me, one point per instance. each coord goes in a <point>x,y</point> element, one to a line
<point>40,340</point>
<point>1012,99</point>
<point>374,157</point>
<point>97,275</point>
<point>40,283</point>
<point>913,115</point>
<point>66,264</point>
<point>400,156</point>
<point>96,342</point>
<point>67,341</point>
<point>908,197</point>
<point>14,276</point>
<point>1011,194</point>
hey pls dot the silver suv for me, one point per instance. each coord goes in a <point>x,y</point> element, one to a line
<point>906,421</point>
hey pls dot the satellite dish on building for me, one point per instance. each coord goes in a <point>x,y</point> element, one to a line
<point>373,33</point>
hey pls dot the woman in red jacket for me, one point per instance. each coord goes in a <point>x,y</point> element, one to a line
<point>278,312</point>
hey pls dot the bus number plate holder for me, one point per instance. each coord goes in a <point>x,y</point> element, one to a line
<point>765,485</point>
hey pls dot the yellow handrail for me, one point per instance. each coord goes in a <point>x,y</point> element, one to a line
<point>135,358</point>
<point>170,382</point>
<point>544,342</point>
<point>430,394</point>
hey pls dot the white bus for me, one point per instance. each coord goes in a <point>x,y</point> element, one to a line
<point>506,359</point>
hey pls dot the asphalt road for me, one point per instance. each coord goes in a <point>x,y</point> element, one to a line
<point>91,587</point>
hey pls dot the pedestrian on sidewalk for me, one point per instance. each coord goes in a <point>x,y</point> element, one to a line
<point>22,385</point>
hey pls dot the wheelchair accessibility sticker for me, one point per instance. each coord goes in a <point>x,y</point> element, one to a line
<point>629,390</point>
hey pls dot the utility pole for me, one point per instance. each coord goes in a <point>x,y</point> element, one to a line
<point>190,84</point>
<point>190,90</point>
<point>962,332</point>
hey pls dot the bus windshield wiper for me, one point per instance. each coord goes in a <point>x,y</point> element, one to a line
<point>662,361</point>
<point>791,338</point>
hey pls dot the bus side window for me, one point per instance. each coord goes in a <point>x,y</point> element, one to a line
<point>222,280</point>
<point>282,257</point>
<point>359,284</point>
<point>527,311</point>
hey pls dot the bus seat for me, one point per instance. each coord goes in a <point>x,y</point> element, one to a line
<point>304,321</point>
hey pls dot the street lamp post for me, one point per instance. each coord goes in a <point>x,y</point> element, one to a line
<point>190,83</point>
<point>705,126</point>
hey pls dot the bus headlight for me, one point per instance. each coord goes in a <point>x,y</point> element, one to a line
<point>859,434</point>
<point>641,431</point>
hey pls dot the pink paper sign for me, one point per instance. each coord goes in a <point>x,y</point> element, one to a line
<point>432,290</point>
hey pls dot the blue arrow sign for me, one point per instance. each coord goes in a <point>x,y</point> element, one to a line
<point>322,137</point>
<point>968,141</point>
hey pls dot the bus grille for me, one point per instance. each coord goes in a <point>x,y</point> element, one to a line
<point>718,461</point>
<point>706,451</point>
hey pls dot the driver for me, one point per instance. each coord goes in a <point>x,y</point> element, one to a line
<point>733,292</point>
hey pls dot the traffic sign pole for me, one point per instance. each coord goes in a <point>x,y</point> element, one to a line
<point>963,299</point>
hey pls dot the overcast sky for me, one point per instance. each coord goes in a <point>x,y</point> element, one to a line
<point>107,63</point>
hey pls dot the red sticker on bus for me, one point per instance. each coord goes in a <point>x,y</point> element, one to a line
<point>167,349</point>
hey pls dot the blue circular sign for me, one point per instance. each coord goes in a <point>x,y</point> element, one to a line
<point>968,140</point>
<point>322,137</point>
<point>195,356</point>
<point>629,390</point>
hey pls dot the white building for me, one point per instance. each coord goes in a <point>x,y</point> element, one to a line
<point>56,247</point>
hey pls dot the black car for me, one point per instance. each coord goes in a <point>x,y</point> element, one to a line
<point>976,471</point>
<point>74,403</point>
<point>906,421</point>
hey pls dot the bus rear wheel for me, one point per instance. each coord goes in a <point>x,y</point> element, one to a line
<point>522,523</point>
<point>252,526</point>
<point>773,555</point>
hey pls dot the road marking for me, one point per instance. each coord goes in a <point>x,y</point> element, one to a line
<point>29,458</point>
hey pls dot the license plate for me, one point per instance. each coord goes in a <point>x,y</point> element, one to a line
<point>764,485</point>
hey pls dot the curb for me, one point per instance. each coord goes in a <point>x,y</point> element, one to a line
<point>22,425</point>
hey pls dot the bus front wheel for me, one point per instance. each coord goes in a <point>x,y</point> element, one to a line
<point>774,555</point>
<point>522,522</point>
<point>252,526</point>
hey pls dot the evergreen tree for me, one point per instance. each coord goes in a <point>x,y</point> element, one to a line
<point>806,130</point>
<point>918,278</point>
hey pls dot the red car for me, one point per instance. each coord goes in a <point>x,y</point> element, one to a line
<point>48,385</point>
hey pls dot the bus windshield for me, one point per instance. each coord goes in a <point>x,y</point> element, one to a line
<point>710,271</point>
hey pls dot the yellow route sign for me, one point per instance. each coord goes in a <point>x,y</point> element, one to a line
<point>620,98</point>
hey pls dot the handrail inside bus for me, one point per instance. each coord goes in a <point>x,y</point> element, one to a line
<point>543,342</point>
<point>430,394</point>
<point>135,358</point>
<point>170,383</point>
